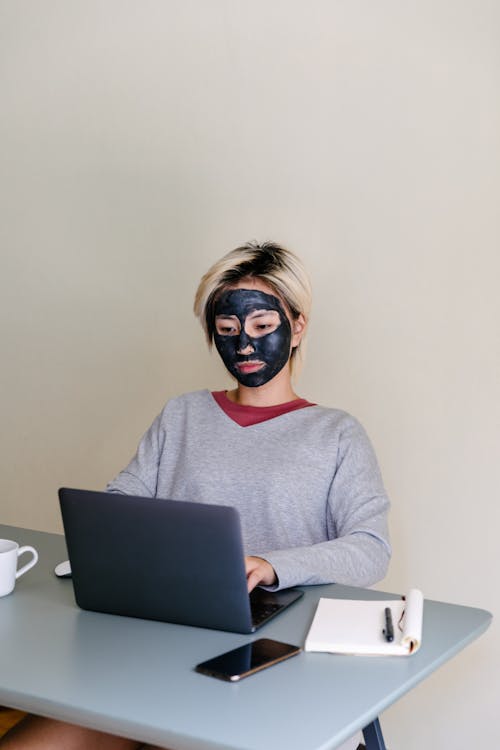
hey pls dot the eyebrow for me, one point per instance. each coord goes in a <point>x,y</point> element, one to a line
<point>260,313</point>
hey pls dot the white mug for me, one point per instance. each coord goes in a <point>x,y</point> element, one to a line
<point>9,552</point>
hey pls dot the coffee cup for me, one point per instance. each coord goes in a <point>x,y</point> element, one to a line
<point>9,572</point>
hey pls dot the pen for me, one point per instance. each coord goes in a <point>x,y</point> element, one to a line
<point>388,631</point>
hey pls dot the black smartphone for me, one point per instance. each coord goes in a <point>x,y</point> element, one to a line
<point>240,662</point>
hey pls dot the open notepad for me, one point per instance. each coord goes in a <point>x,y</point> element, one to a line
<point>354,626</point>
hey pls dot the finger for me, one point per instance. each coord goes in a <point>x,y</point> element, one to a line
<point>250,564</point>
<point>253,578</point>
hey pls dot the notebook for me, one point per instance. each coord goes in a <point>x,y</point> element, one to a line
<point>372,627</point>
<point>166,560</point>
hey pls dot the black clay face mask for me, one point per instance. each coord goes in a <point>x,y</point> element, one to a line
<point>252,334</point>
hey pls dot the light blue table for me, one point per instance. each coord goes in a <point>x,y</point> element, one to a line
<point>136,678</point>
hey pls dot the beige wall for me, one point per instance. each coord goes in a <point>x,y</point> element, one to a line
<point>140,140</point>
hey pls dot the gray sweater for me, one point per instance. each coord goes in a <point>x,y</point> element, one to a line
<point>306,484</point>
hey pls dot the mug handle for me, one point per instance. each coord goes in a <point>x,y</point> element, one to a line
<point>32,562</point>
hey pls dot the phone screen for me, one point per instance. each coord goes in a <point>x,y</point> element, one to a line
<point>240,662</point>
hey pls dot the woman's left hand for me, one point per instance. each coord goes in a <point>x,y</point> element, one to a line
<point>259,571</point>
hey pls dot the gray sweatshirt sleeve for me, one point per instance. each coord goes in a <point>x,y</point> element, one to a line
<point>140,477</point>
<point>358,550</point>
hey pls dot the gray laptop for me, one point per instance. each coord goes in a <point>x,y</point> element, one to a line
<point>165,560</point>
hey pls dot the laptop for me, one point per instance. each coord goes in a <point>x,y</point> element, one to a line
<point>166,560</point>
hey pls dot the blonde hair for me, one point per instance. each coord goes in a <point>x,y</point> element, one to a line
<point>281,269</point>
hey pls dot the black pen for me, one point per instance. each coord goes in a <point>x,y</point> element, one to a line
<point>388,631</point>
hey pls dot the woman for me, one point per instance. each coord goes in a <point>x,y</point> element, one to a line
<point>303,477</point>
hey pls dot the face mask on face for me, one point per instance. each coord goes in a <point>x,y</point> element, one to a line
<point>252,335</point>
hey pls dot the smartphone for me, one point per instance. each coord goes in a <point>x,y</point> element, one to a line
<point>240,662</point>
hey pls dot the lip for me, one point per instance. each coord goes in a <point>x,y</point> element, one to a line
<point>247,368</point>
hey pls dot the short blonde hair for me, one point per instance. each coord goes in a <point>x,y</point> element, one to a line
<point>281,269</point>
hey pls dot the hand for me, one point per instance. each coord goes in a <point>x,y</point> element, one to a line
<point>259,571</point>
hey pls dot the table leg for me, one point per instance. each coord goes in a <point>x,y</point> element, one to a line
<point>372,734</point>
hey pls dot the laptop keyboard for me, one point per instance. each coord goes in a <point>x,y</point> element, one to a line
<point>261,611</point>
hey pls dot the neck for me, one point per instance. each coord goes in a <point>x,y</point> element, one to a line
<point>277,391</point>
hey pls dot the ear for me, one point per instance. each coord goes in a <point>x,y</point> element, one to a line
<point>299,326</point>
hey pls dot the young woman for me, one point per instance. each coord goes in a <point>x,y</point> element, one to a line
<point>303,477</point>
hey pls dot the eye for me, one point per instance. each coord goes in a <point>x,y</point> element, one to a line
<point>262,322</point>
<point>226,326</point>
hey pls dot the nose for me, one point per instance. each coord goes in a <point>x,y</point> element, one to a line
<point>244,344</point>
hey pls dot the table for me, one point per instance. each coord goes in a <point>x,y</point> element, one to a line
<point>135,677</point>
